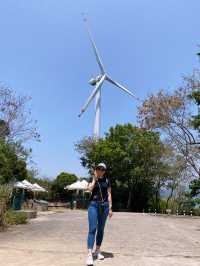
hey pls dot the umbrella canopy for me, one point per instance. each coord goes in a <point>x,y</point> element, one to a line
<point>38,188</point>
<point>27,184</point>
<point>78,185</point>
<point>74,186</point>
<point>19,185</point>
<point>84,184</point>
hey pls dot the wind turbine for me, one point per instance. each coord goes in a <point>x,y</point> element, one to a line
<point>97,83</point>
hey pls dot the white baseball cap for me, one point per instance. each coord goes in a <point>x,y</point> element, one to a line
<point>102,165</point>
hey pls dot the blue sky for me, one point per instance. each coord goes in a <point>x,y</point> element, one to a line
<point>146,45</point>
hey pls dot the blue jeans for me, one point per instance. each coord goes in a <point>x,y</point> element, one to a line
<point>97,222</point>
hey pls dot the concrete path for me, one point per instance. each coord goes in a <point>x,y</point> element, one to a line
<point>59,239</point>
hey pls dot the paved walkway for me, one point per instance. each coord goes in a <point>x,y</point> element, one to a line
<point>58,239</point>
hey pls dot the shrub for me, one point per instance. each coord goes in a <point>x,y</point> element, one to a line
<point>13,217</point>
<point>196,212</point>
<point>5,193</point>
<point>5,196</point>
<point>172,205</point>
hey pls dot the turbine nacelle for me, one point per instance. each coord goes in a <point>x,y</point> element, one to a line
<point>94,81</point>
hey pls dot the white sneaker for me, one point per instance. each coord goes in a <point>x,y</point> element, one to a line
<point>89,260</point>
<point>98,255</point>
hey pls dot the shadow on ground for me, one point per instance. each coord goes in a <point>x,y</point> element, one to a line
<point>107,254</point>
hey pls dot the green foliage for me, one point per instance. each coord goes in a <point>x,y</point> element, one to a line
<point>196,211</point>
<point>196,122</point>
<point>5,196</point>
<point>4,129</point>
<point>193,83</point>
<point>194,187</point>
<point>175,205</point>
<point>164,205</point>
<point>133,157</point>
<point>195,96</point>
<point>12,165</point>
<point>12,217</point>
<point>5,192</point>
<point>61,181</point>
<point>187,205</point>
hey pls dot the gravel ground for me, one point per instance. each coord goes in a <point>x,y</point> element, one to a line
<point>59,239</point>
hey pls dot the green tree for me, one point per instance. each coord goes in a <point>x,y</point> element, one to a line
<point>61,181</point>
<point>133,157</point>
<point>12,165</point>
<point>195,187</point>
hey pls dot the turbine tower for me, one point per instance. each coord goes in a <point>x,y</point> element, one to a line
<point>97,83</point>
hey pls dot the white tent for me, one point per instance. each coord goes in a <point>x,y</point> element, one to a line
<point>78,185</point>
<point>84,184</point>
<point>74,186</point>
<point>20,185</point>
<point>36,187</point>
<point>27,184</point>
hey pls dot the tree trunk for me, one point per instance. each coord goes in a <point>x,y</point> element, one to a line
<point>157,198</point>
<point>130,196</point>
<point>129,200</point>
<point>170,196</point>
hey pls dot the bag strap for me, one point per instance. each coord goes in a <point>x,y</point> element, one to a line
<point>100,191</point>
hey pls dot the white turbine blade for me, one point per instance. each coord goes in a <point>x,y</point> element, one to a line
<point>121,87</point>
<point>94,46</point>
<point>93,94</point>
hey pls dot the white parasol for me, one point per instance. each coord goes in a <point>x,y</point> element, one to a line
<point>36,187</point>
<point>19,184</point>
<point>78,185</point>
<point>27,184</point>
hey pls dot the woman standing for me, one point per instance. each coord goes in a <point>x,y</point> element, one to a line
<point>99,208</point>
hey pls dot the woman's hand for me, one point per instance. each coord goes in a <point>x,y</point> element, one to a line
<point>110,213</point>
<point>92,184</point>
<point>95,178</point>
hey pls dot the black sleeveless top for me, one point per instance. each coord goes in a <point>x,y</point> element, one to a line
<point>101,185</point>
